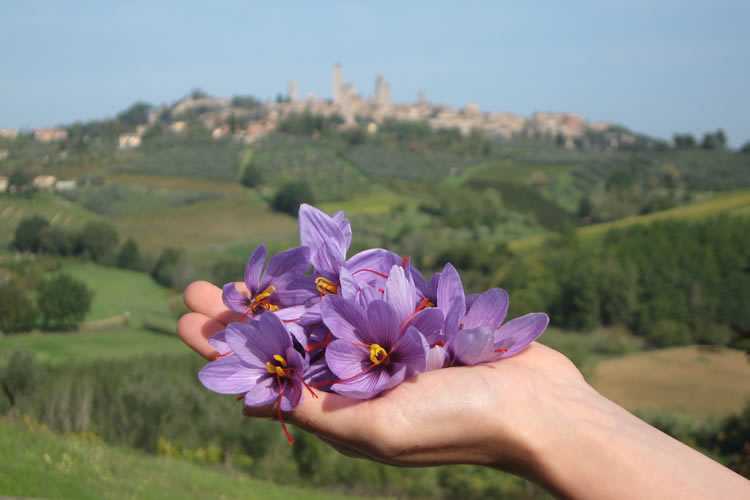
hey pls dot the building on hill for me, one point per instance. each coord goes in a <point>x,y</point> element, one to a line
<point>3,184</point>
<point>8,133</point>
<point>69,185</point>
<point>129,141</point>
<point>178,127</point>
<point>44,182</point>
<point>292,91</point>
<point>189,103</point>
<point>50,134</point>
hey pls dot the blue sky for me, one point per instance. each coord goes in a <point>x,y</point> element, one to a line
<point>656,66</point>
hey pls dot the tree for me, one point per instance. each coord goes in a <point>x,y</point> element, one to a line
<point>17,311</point>
<point>28,233</point>
<point>55,240</point>
<point>97,240</point>
<point>166,266</point>
<point>129,256</point>
<point>19,180</point>
<point>252,176</point>
<point>290,196</point>
<point>63,302</point>
<point>137,114</point>
<point>709,141</point>
<point>684,141</point>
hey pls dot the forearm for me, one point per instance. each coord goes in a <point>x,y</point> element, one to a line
<point>592,448</point>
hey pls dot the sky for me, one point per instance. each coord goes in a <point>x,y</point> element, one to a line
<point>655,66</point>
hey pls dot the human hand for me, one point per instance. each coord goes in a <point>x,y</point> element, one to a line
<point>497,414</point>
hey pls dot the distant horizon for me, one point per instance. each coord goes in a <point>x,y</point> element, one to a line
<point>657,68</point>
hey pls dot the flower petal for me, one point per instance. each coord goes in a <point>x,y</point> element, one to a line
<point>400,294</point>
<point>228,375</point>
<point>411,351</point>
<point>345,319</point>
<point>450,290</point>
<point>429,322</point>
<point>346,228</point>
<point>294,262</point>
<point>219,342</point>
<point>472,346</point>
<point>488,309</point>
<point>518,333</point>
<point>382,325</point>
<point>316,228</point>
<point>264,392</point>
<point>348,286</point>
<point>327,260</point>
<point>254,269</point>
<point>435,358</point>
<point>234,299</point>
<point>257,343</point>
<point>347,360</point>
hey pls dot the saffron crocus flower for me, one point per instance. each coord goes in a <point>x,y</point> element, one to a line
<point>370,354</point>
<point>477,335</point>
<point>263,366</point>
<point>273,289</point>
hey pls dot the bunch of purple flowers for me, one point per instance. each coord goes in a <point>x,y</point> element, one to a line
<point>356,326</point>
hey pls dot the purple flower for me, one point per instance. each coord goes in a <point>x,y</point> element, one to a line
<point>477,335</point>
<point>272,289</point>
<point>371,353</point>
<point>264,366</point>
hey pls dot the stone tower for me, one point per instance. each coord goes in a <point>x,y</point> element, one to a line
<point>337,84</point>
<point>292,90</point>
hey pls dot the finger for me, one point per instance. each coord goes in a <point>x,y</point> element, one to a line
<point>205,298</point>
<point>195,329</point>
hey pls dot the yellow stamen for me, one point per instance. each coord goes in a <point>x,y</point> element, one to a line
<point>280,360</point>
<point>325,286</point>
<point>377,353</point>
<point>276,370</point>
<point>261,300</point>
<point>429,304</point>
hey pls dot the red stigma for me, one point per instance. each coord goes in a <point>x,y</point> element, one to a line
<point>240,398</point>
<point>324,343</point>
<point>291,320</point>
<point>421,306</point>
<point>406,261</point>
<point>370,271</point>
<point>439,343</point>
<point>219,356</point>
<point>501,350</point>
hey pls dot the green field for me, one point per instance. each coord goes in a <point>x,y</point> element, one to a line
<point>40,464</point>
<point>54,208</point>
<point>117,342</point>
<point>692,381</point>
<point>736,202</point>
<point>118,290</point>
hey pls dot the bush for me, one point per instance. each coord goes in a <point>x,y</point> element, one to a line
<point>63,302</point>
<point>55,240</point>
<point>28,233</point>
<point>290,196</point>
<point>97,240</point>
<point>166,266</point>
<point>129,256</point>
<point>17,311</point>
<point>252,176</point>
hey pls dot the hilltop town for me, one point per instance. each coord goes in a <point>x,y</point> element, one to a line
<point>257,119</point>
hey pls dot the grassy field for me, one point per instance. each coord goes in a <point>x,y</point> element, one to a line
<point>694,381</point>
<point>513,171</point>
<point>119,290</point>
<point>736,202</point>
<point>53,208</point>
<point>117,342</point>
<point>39,464</point>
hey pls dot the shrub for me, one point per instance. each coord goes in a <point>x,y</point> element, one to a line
<point>63,302</point>
<point>28,233</point>
<point>290,196</point>
<point>17,311</point>
<point>129,256</point>
<point>97,240</point>
<point>252,176</point>
<point>166,266</point>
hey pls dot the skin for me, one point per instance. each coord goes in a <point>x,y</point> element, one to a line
<point>532,415</point>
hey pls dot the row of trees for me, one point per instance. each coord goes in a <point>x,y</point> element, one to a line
<point>673,282</point>
<point>62,302</point>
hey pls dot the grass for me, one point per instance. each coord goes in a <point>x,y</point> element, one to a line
<point>37,463</point>
<point>693,381</point>
<point>80,347</point>
<point>513,171</point>
<point>733,202</point>
<point>56,209</point>
<point>119,290</point>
